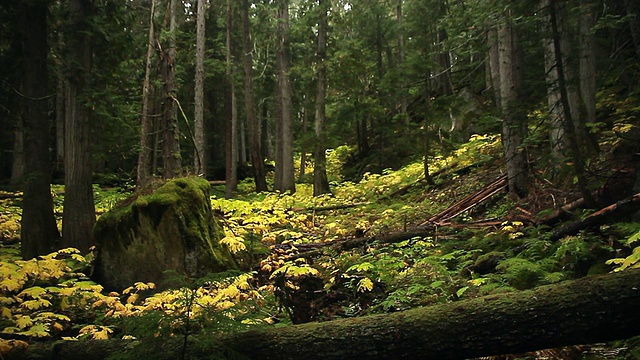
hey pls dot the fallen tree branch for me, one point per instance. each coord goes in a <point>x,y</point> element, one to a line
<point>468,202</point>
<point>589,310</point>
<point>563,211</point>
<point>625,206</point>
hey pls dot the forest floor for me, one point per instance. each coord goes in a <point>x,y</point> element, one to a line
<point>387,243</point>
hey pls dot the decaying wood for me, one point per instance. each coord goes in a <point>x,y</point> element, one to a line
<point>589,310</point>
<point>468,202</point>
<point>562,212</point>
<point>626,206</point>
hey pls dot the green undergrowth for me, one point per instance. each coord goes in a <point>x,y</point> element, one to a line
<point>270,234</point>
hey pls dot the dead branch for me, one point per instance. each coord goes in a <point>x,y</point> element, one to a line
<point>625,206</point>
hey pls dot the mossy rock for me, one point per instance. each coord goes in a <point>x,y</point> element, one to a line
<point>170,229</point>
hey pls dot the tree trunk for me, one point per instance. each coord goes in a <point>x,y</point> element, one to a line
<point>633,10</point>
<point>303,146</point>
<point>593,309</point>
<point>18,163</point>
<point>568,122</point>
<point>144,156</point>
<point>513,122</point>
<point>401,60</point>
<point>253,123</point>
<point>60,101</point>
<point>320,180</point>
<point>199,155</point>
<point>39,232</point>
<point>494,64</point>
<point>557,137</point>
<point>79,210</point>
<point>588,84</point>
<point>171,159</point>
<point>286,177</point>
<point>232,114</point>
<point>427,133</point>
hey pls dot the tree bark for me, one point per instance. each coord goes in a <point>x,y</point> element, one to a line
<point>144,155</point>
<point>568,123</point>
<point>79,209</point>
<point>253,123</point>
<point>514,122</point>
<point>232,113</point>
<point>287,177</point>
<point>199,157</point>
<point>39,232</point>
<point>633,10</point>
<point>588,85</point>
<point>592,309</point>
<point>171,158</point>
<point>320,180</point>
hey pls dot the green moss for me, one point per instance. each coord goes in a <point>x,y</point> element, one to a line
<point>170,229</point>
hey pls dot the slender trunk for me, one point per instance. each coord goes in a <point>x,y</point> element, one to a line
<point>39,232</point>
<point>588,69</point>
<point>513,129</point>
<point>232,115</point>
<point>557,138</point>
<point>427,132</point>
<point>171,158</point>
<point>494,64</point>
<point>303,148</point>
<point>144,155</point>
<point>401,59</point>
<point>79,209</point>
<point>199,155</point>
<point>243,142</point>
<point>633,10</point>
<point>287,177</point>
<point>278,138</point>
<point>320,180</point>
<point>60,101</point>
<point>568,121</point>
<point>253,123</point>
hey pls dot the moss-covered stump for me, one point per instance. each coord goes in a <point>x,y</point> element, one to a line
<point>171,229</point>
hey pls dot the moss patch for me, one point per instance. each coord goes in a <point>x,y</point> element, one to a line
<point>169,229</point>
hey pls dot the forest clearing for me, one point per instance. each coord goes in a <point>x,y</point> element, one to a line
<point>322,179</point>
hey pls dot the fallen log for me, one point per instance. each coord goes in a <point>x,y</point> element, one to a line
<point>468,202</point>
<point>563,211</point>
<point>625,206</point>
<point>589,310</point>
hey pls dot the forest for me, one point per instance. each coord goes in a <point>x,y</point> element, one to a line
<point>323,179</point>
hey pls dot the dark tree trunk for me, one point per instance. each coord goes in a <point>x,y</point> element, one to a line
<point>320,180</point>
<point>589,310</point>
<point>286,177</point>
<point>633,10</point>
<point>231,131</point>
<point>171,158</point>
<point>253,123</point>
<point>39,232</point>
<point>514,121</point>
<point>79,210</point>
<point>568,124</point>
<point>146,124</point>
